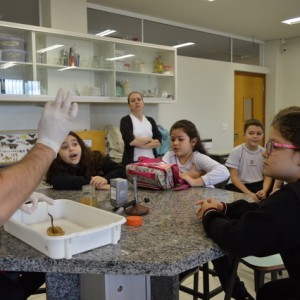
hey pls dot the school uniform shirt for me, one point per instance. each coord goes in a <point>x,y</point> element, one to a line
<point>214,171</point>
<point>261,229</point>
<point>249,163</point>
<point>130,128</point>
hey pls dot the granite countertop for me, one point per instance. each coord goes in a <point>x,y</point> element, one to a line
<point>171,239</point>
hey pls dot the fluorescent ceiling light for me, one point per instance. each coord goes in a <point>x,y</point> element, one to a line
<point>7,65</point>
<point>184,45</point>
<point>292,21</point>
<point>120,57</point>
<point>106,32</point>
<point>49,48</point>
<point>67,68</point>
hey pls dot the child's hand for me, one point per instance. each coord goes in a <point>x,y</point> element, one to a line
<point>105,187</point>
<point>261,195</point>
<point>207,204</point>
<point>98,182</point>
<point>253,196</point>
<point>191,181</point>
<point>194,173</point>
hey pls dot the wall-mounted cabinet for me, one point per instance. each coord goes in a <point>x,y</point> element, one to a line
<point>35,62</point>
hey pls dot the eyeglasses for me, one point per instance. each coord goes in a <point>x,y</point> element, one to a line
<point>271,144</point>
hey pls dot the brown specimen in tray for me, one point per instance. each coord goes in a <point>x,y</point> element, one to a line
<point>54,230</point>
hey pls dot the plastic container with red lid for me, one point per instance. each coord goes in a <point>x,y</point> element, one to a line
<point>134,221</point>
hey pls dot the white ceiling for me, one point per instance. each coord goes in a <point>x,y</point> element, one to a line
<point>254,19</point>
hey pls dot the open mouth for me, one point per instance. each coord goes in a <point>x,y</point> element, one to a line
<point>73,156</point>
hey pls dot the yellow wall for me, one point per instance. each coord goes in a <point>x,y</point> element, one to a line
<point>95,137</point>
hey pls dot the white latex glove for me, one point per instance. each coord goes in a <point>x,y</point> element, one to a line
<point>34,199</point>
<point>56,120</point>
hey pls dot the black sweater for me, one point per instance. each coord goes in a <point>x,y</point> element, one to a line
<point>72,178</point>
<point>270,227</point>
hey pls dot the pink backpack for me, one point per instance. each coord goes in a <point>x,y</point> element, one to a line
<point>154,173</point>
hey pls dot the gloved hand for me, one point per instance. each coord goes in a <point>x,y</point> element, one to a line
<point>34,199</point>
<point>56,120</point>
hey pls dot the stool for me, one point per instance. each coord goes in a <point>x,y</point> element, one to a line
<point>262,265</point>
<point>41,290</point>
<point>207,294</point>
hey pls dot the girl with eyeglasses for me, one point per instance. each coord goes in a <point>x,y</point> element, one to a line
<point>270,226</point>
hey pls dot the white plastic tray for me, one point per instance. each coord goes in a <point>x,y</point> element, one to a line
<point>85,228</point>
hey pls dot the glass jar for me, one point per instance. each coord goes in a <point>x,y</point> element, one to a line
<point>158,65</point>
<point>126,88</point>
<point>167,70</point>
<point>119,89</point>
<point>88,195</point>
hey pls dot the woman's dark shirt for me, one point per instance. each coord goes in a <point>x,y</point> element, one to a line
<point>126,128</point>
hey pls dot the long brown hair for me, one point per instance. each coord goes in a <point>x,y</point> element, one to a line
<point>287,122</point>
<point>190,129</point>
<point>90,161</point>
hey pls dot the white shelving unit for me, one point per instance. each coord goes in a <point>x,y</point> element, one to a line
<point>95,73</point>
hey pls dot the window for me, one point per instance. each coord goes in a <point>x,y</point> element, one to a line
<point>126,27</point>
<point>20,11</point>
<point>207,45</point>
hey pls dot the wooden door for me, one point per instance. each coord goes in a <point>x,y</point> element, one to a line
<point>249,101</point>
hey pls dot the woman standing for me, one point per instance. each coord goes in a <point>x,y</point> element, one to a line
<point>139,132</point>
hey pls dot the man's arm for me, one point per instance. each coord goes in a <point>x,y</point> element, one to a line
<point>20,180</point>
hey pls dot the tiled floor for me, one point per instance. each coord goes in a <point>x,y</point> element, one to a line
<point>244,272</point>
<point>38,297</point>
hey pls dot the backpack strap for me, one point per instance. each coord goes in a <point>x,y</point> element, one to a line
<point>179,183</point>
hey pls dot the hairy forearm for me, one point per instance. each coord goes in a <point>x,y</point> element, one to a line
<point>19,181</point>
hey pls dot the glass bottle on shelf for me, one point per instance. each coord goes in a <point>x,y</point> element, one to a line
<point>142,67</point>
<point>72,57</point>
<point>158,65</point>
<point>64,58</point>
<point>119,89</point>
<point>126,87</point>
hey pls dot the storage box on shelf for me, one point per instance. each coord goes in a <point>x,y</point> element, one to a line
<point>97,69</point>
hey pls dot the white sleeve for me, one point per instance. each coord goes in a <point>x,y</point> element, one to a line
<point>169,157</point>
<point>215,172</point>
<point>233,160</point>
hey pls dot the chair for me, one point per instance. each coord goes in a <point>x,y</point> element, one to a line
<point>206,294</point>
<point>262,265</point>
<point>41,290</point>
